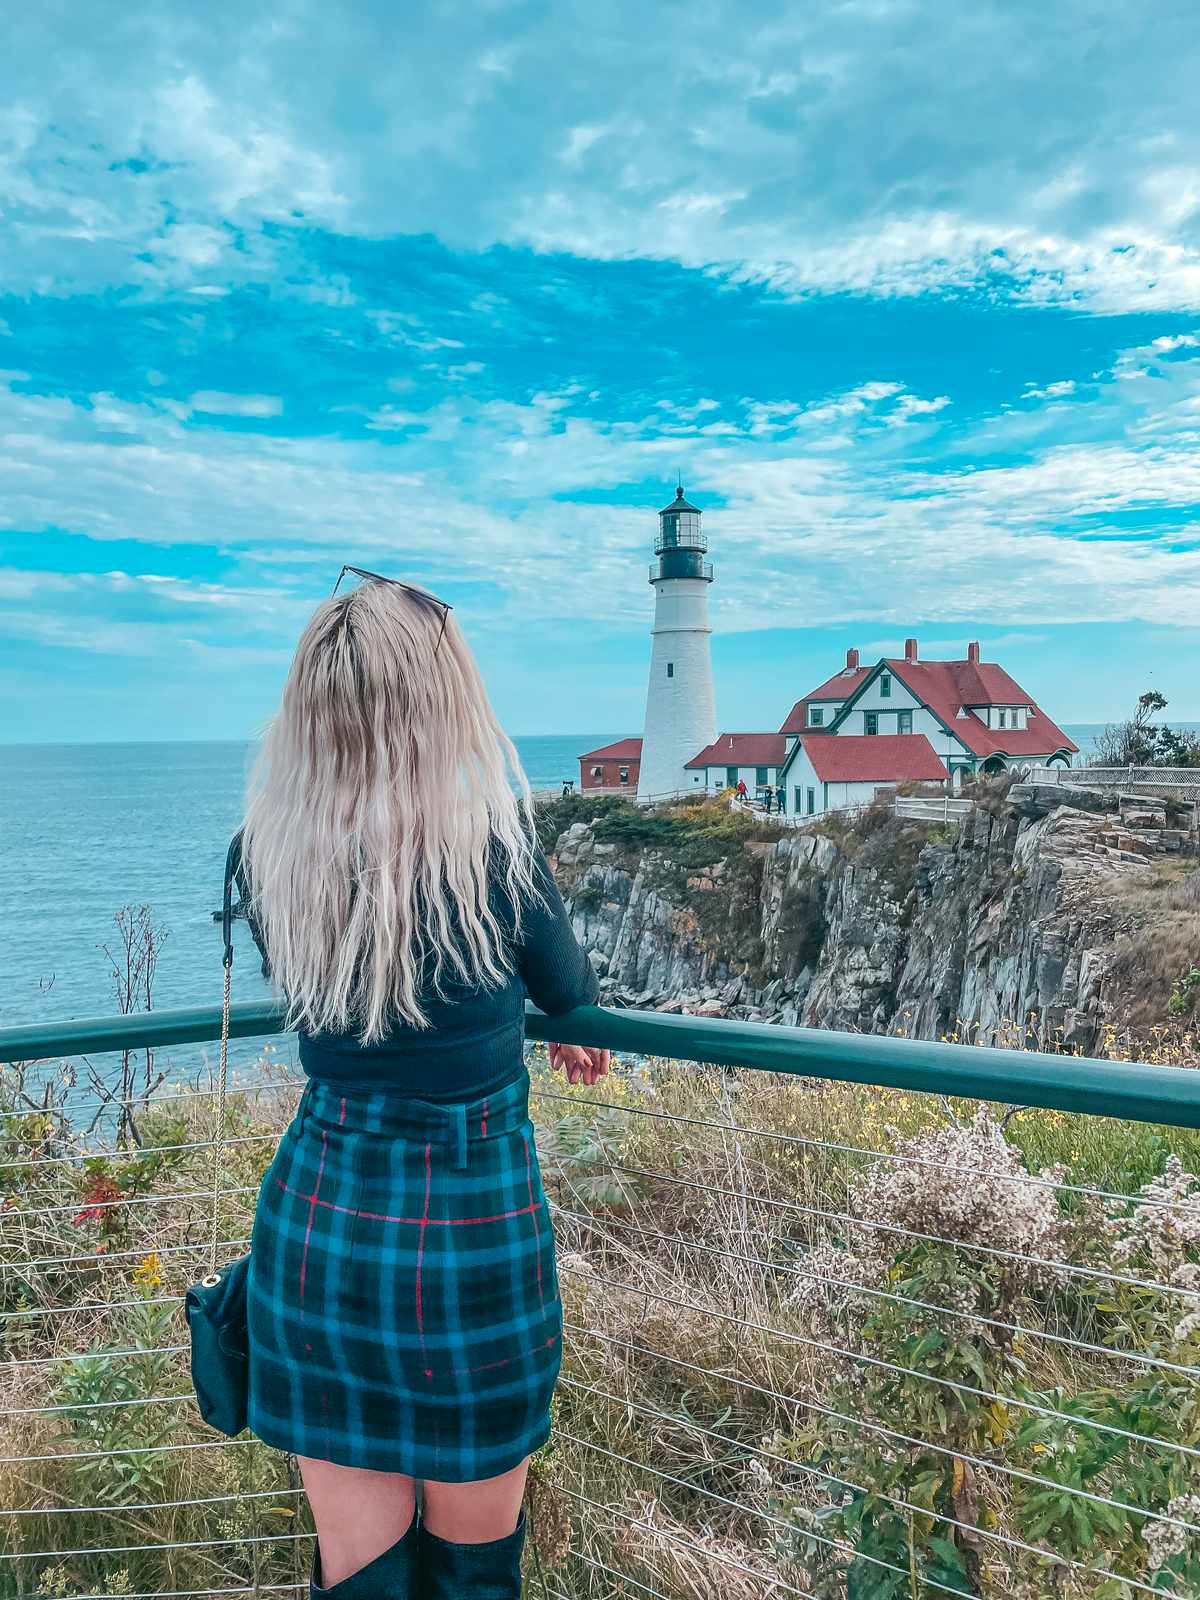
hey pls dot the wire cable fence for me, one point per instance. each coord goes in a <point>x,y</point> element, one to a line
<point>822,1339</point>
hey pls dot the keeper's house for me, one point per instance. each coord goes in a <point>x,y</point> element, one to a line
<point>962,716</point>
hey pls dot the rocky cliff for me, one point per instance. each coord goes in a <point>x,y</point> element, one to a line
<point>1030,916</point>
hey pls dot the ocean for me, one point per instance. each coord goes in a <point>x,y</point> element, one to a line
<point>87,829</point>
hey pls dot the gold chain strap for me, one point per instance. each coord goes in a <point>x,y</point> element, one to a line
<point>219,1143</point>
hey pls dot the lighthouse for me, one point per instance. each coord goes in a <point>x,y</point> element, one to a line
<point>681,715</point>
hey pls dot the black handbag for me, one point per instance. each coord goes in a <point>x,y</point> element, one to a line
<point>216,1306</point>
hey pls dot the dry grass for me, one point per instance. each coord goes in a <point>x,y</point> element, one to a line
<point>691,1437</point>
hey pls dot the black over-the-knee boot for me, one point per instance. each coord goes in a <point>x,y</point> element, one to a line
<point>389,1577</point>
<point>448,1571</point>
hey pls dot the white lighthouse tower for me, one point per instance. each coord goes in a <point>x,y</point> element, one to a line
<point>681,716</point>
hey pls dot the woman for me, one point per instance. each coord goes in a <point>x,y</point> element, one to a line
<point>405,1327</point>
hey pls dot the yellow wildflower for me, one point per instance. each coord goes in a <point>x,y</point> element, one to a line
<point>148,1272</point>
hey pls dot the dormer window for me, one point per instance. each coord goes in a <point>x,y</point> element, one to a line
<point>816,716</point>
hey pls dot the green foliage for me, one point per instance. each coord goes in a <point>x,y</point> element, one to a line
<point>1139,742</point>
<point>119,1440</point>
<point>1185,993</point>
<point>580,1153</point>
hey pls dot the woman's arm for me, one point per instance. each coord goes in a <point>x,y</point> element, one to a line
<point>552,963</point>
<point>558,975</point>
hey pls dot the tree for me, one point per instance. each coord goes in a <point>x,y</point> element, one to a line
<point>1140,742</point>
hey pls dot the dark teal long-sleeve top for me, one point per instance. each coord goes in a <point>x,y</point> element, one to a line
<point>474,1043</point>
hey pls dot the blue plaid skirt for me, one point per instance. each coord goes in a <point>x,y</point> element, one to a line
<point>403,1301</point>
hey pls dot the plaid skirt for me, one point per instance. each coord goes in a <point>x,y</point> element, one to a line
<point>403,1301</point>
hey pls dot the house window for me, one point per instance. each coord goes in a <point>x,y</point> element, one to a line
<point>904,722</point>
<point>1002,717</point>
<point>624,774</point>
<point>597,772</point>
<point>885,687</point>
<point>810,801</point>
<point>670,669</point>
<point>760,776</point>
<point>816,716</point>
<point>870,722</point>
<point>731,777</point>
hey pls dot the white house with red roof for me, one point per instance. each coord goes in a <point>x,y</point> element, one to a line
<point>755,759</point>
<point>907,720</point>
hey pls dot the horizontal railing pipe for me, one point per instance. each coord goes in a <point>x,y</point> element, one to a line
<point>1128,1090</point>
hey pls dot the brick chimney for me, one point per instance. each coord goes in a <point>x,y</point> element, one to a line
<point>973,652</point>
<point>851,660</point>
<point>910,649</point>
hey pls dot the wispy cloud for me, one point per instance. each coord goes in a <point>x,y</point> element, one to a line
<point>236,405</point>
<point>118,167</point>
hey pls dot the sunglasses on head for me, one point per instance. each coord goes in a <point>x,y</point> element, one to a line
<point>422,596</point>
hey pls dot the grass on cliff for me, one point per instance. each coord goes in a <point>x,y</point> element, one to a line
<point>692,832</point>
<point>702,1390</point>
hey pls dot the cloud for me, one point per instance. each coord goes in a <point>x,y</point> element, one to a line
<point>887,148</point>
<point>1084,510</point>
<point>236,405</point>
<point>1051,391</point>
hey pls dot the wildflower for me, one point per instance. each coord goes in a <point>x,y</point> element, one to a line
<point>99,1198</point>
<point>148,1272</point>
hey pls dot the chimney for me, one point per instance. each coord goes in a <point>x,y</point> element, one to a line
<point>851,660</point>
<point>910,649</point>
<point>973,652</point>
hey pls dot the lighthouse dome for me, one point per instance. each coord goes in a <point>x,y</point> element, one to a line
<point>679,504</point>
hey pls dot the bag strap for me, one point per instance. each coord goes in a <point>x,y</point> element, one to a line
<point>232,864</point>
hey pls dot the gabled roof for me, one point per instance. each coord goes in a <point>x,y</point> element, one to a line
<point>839,687</point>
<point>874,758</point>
<point>623,750</point>
<point>948,687</point>
<point>742,750</point>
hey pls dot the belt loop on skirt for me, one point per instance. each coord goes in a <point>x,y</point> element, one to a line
<point>305,1102</point>
<point>459,1113</point>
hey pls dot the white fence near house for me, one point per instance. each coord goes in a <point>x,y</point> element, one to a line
<point>933,808</point>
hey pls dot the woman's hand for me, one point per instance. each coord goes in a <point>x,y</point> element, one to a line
<point>579,1061</point>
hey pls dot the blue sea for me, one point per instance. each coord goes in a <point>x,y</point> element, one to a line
<point>86,829</point>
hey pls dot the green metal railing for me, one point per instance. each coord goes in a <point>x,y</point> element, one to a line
<point>1127,1090</point>
<point>713,1229</point>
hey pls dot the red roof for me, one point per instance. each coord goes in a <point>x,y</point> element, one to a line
<point>840,687</point>
<point>879,758</point>
<point>742,750</point>
<point>948,687</point>
<point>623,750</point>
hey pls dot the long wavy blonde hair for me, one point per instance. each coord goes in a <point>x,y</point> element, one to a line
<point>380,813</point>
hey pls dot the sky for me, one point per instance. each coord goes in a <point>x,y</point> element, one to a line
<point>907,291</point>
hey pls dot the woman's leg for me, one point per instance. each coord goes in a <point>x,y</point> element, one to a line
<point>474,1513</point>
<point>359,1514</point>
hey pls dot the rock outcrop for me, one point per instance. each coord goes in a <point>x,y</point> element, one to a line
<point>1003,926</point>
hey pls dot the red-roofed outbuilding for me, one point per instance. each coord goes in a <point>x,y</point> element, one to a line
<point>614,766</point>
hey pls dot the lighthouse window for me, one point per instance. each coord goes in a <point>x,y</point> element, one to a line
<point>670,669</point>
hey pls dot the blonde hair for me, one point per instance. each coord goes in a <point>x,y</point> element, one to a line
<point>380,813</point>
